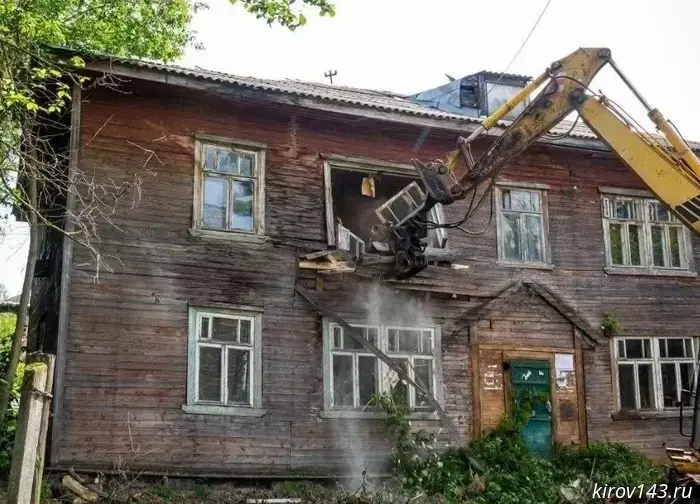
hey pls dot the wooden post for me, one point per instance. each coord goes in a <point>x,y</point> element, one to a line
<point>49,360</point>
<point>31,430</point>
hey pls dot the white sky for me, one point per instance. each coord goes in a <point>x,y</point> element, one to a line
<point>408,46</point>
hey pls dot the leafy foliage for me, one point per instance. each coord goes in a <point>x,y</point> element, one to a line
<point>281,11</point>
<point>610,327</point>
<point>500,469</point>
<point>9,425</point>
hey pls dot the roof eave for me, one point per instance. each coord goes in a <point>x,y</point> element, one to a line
<point>461,126</point>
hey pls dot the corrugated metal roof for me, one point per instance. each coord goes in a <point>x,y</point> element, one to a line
<point>368,98</point>
<point>371,98</point>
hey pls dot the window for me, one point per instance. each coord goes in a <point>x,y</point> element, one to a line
<point>224,361</point>
<point>363,194</point>
<point>522,225</point>
<point>354,374</point>
<point>652,372</point>
<point>229,186</point>
<point>642,233</point>
<point>499,94</point>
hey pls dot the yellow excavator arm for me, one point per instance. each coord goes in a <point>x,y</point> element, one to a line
<point>664,162</point>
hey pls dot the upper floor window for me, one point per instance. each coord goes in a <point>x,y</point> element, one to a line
<point>653,372</point>
<point>229,185</point>
<point>224,361</point>
<point>354,374</point>
<point>363,196</point>
<point>642,233</point>
<point>522,225</point>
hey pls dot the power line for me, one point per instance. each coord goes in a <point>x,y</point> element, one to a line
<point>522,46</point>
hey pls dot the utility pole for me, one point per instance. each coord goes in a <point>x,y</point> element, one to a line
<point>330,74</point>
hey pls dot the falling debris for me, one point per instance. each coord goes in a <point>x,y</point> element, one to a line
<point>368,188</point>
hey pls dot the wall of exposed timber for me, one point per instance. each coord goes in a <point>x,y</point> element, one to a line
<point>126,352</point>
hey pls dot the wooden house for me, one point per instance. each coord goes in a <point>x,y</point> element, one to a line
<point>199,353</point>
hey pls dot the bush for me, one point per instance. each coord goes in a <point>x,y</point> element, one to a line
<point>9,423</point>
<point>500,469</point>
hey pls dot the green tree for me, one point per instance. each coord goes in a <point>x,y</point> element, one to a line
<point>35,94</point>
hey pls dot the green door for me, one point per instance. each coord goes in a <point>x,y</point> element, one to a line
<point>534,375</point>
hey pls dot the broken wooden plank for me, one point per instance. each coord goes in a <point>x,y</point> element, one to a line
<point>78,489</point>
<point>356,335</point>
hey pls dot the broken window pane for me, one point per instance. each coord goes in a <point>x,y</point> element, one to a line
<point>626,382</point>
<point>635,252</point>
<point>215,202</point>
<point>675,246</point>
<point>393,340</point>
<point>687,375</point>
<point>658,212</point>
<point>246,331</point>
<point>367,371</point>
<point>668,381</point>
<point>242,211</point>
<point>533,238</point>
<point>238,376</point>
<point>511,237</point>
<point>204,328</point>
<point>675,347</point>
<point>616,254</point>
<point>209,374</point>
<point>688,347</point>
<point>342,381</point>
<point>634,349</point>
<point>646,386</point>
<point>224,329</point>
<point>424,376</point>
<point>657,246</point>
<point>398,385</point>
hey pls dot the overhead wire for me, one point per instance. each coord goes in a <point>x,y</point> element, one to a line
<point>471,210</point>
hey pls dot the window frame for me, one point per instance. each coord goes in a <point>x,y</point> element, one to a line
<point>655,361</point>
<point>643,200</point>
<point>372,167</point>
<point>258,151</point>
<point>329,411</point>
<point>193,404</point>
<point>543,190</point>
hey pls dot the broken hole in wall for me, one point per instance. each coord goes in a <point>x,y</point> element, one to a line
<point>356,196</point>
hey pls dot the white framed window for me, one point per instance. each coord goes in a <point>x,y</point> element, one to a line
<point>522,225</point>
<point>652,372</point>
<point>353,374</point>
<point>224,362</point>
<point>229,188</point>
<point>641,234</point>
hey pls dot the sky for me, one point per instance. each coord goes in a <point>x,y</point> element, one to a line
<point>409,45</point>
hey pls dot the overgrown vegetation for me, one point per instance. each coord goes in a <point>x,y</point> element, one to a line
<point>610,327</point>
<point>9,425</point>
<point>500,469</point>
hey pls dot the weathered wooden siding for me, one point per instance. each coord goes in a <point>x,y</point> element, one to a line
<point>125,375</point>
